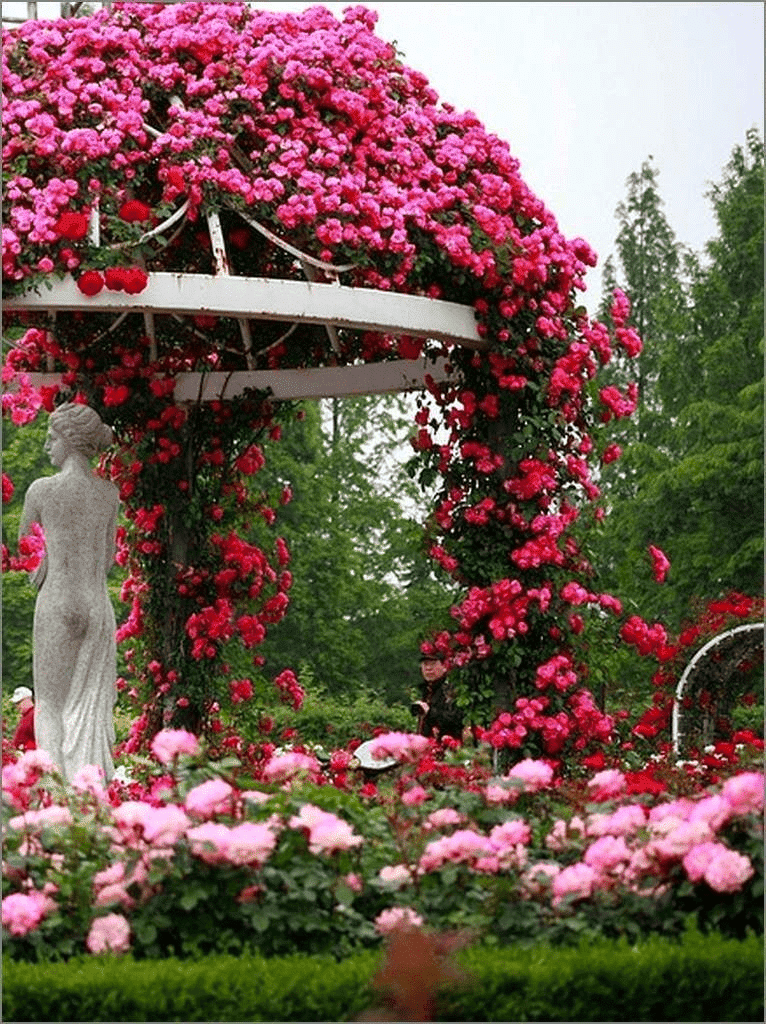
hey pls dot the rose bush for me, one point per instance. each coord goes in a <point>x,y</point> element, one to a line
<point>128,134</point>
<point>196,857</point>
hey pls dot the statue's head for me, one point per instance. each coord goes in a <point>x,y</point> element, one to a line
<point>80,428</point>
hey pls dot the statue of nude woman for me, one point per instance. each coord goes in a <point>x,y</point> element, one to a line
<point>74,659</point>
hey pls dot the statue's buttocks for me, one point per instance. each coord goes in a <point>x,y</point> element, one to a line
<point>74,662</point>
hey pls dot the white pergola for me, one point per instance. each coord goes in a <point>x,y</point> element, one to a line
<point>248,299</point>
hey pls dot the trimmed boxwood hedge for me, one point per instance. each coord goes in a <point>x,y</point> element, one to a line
<point>702,978</point>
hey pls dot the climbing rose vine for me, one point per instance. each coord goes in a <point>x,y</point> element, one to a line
<point>126,133</point>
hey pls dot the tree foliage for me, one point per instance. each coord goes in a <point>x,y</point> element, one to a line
<point>691,480</point>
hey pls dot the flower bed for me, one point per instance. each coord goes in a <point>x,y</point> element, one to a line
<point>200,858</point>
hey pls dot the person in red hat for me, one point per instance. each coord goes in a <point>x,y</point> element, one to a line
<point>24,736</point>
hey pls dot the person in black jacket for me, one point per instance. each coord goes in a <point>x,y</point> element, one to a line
<point>436,711</point>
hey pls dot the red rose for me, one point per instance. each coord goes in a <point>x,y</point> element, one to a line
<point>134,211</point>
<point>176,178</point>
<point>115,279</point>
<point>91,282</point>
<point>135,280</point>
<point>73,226</point>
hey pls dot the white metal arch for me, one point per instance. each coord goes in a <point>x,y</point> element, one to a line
<point>701,653</point>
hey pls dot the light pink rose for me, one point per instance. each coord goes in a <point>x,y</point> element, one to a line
<point>250,843</point>
<point>212,797</point>
<point>535,775</point>
<point>397,919</point>
<point>54,817</point>
<point>326,832</point>
<point>90,779</point>
<point>165,825</point>
<point>404,746</point>
<point>607,784</point>
<point>606,853</point>
<point>169,744</point>
<point>697,859</point>
<point>510,833</point>
<point>744,792</point>
<point>728,871</point>
<point>131,816</point>
<point>462,847</point>
<point>677,843</point>
<point>565,832</point>
<point>288,766</point>
<point>23,911</point>
<point>444,817</point>
<point>109,934</point>
<point>209,842</point>
<point>414,796</point>
<point>577,881</point>
<point>395,874</point>
<point>715,811</point>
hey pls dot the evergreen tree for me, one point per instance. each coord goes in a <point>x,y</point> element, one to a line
<point>691,482</point>
<point>363,596</point>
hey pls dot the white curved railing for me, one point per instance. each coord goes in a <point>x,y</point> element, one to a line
<point>701,653</point>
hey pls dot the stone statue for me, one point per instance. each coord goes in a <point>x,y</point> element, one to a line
<point>74,660</point>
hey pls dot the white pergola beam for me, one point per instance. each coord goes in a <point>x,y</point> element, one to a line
<point>288,385</point>
<point>257,298</point>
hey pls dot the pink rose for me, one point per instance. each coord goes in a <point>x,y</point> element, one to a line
<point>577,881</point>
<point>396,919</point>
<point>23,911</point>
<point>212,797</point>
<point>744,792</point>
<point>728,871</point>
<point>250,843</point>
<point>164,826</point>
<point>607,784</point>
<point>535,775</point>
<point>210,842</point>
<point>414,796</point>
<point>169,744</point>
<point>109,934</point>
<point>606,853</point>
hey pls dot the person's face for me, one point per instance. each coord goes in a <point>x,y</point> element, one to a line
<point>432,670</point>
<point>56,447</point>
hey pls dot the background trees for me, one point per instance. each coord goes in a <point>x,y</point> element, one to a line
<point>690,479</point>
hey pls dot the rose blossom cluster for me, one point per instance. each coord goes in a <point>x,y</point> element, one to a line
<point>313,129</point>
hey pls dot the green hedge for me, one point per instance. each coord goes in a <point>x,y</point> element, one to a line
<point>699,979</point>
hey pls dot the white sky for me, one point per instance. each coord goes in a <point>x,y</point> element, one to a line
<point>585,92</point>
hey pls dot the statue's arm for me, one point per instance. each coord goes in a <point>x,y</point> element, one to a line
<point>31,514</point>
<point>111,535</point>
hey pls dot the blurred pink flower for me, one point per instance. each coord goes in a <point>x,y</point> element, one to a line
<point>23,911</point>
<point>169,744</point>
<point>287,766</point>
<point>210,842</point>
<point>606,853</point>
<point>404,746</point>
<point>414,796</point>
<point>577,881</point>
<point>326,832</point>
<point>444,817</point>
<point>744,792</point>
<point>728,871</point>
<point>164,826</point>
<point>212,797</point>
<point>535,775</point>
<point>397,918</point>
<point>250,843</point>
<point>607,784</point>
<point>109,934</point>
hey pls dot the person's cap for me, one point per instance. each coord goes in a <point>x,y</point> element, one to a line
<point>20,693</point>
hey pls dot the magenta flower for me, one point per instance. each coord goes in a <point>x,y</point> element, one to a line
<point>660,563</point>
<point>23,911</point>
